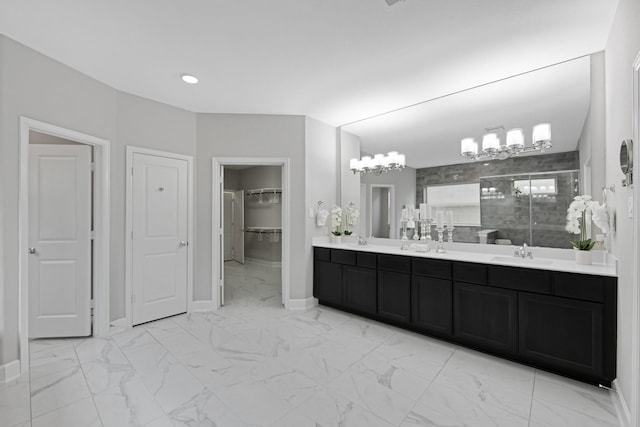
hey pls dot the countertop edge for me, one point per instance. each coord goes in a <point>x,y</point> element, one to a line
<point>562,265</point>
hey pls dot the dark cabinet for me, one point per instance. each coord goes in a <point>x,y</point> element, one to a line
<point>327,282</point>
<point>431,294</point>
<point>360,289</point>
<point>431,305</point>
<point>559,321</point>
<point>486,317</point>
<point>394,296</point>
<point>562,333</point>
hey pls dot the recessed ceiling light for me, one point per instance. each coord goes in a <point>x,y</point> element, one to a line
<point>188,78</point>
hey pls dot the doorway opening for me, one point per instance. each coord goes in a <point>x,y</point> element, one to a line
<point>99,226</point>
<point>250,232</point>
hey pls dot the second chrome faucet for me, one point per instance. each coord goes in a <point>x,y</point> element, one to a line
<point>523,251</point>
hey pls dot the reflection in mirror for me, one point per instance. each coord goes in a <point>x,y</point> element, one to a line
<point>519,210</point>
<point>381,212</point>
<point>430,133</point>
<point>462,200</point>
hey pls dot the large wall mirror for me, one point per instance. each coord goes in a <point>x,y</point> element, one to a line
<point>519,199</point>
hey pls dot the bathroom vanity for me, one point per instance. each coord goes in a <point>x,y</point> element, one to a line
<point>547,313</point>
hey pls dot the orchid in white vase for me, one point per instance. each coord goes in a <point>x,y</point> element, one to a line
<point>577,220</point>
<point>336,220</point>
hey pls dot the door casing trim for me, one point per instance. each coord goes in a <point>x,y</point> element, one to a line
<point>101,218</point>
<point>131,150</point>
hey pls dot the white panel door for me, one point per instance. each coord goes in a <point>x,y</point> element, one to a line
<point>59,240</point>
<point>159,244</point>
<point>238,226</point>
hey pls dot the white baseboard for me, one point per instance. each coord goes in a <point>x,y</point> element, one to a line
<point>202,305</point>
<point>9,371</point>
<point>301,304</point>
<point>274,264</point>
<point>624,415</point>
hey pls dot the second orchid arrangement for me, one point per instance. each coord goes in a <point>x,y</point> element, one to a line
<point>577,220</point>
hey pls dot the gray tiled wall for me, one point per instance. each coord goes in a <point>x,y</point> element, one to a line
<point>510,216</point>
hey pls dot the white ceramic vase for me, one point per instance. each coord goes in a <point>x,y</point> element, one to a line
<point>336,240</point>
<point>583,257</point>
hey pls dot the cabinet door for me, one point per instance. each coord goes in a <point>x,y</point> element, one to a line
<point>327,282</point>
<point>562,333</point>
<point>486,317</point>
<point>360,289</point>
<point>394,296</point>
<point>431,305</point>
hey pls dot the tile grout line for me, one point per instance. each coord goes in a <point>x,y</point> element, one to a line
<point>86,382</point>
<point>533,392</point>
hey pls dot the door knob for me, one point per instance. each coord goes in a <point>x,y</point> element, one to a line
<point>182,244</point>
<point>32,251</point>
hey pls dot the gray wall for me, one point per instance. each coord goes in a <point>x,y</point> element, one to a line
<point>245,135</point>
<point>35,86</point>
<point>321,159</point>
<point>38,87</point>
<point>622,47</point>
<point>231,179</point>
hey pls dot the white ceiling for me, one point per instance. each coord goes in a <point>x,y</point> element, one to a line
<point>335,60</point>
<point>429,134</point>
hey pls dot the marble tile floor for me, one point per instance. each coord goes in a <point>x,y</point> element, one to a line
<point>254,364</point>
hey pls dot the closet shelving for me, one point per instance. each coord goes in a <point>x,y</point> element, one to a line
<point>271,233</point>
<point>263,230</point>
<point>265,195</point>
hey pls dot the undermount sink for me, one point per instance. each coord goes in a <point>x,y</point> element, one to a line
<point>517,260</point>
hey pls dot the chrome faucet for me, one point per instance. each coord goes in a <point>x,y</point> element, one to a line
<point>523,251</point>
<point>362,241</point>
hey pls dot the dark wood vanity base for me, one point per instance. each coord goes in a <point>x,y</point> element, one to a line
<point>557,321</point>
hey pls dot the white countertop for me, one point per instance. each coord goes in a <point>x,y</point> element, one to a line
<point>543,258</point>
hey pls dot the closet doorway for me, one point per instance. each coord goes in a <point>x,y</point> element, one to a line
<point>250,216</point>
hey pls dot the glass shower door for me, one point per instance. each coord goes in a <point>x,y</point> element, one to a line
<point>551,194</point>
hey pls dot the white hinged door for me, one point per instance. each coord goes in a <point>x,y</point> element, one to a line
<point>159,243</point>
<point>59,240</point>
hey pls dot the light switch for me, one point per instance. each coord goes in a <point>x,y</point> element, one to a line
<point>630,206</point>
<point>311,213</point>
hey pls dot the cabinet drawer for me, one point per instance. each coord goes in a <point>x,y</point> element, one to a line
<point>365,259</point>
<point>520,279</point>
<point>322,254</point>
<point>401,264</point>
<point>437,268</point>
<point>580,286</point>
<point>470,272</point>
<point>343,257</point>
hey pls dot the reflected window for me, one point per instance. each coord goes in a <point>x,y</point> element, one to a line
<point>462,199</point>
<point>535,188</point>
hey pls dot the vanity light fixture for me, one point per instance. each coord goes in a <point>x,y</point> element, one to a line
<point>514,144</point>
<point>392,161</point>
<point>188,78</point>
